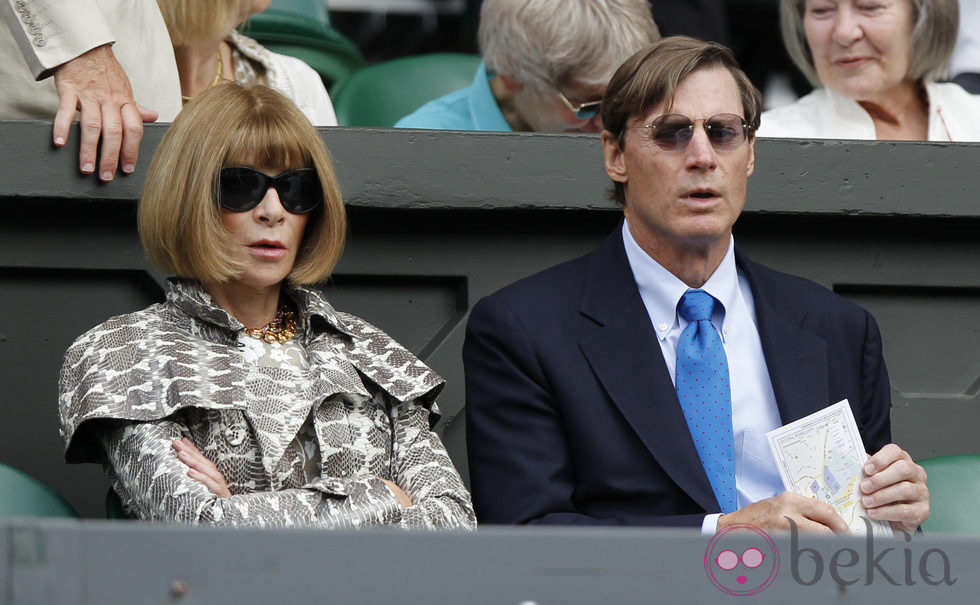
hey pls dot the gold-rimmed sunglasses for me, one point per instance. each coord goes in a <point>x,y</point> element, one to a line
<point>582,111</point>
<point>672,132</point>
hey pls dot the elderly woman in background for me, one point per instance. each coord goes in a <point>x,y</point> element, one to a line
<point>545,66</point>
<point>875,65</point>
<point>210,51</point>
<point>245,399</point>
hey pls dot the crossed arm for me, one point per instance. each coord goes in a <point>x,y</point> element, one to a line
<point>161,475</point>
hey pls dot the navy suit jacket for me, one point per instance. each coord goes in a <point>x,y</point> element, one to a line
<point>571,414</point>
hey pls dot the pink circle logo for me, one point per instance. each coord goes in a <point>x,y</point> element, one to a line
<point>741,560</point>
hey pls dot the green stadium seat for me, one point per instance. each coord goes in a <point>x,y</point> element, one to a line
<point>24,496</point>
<point>380,94</point>
<point>954,492</point>
<point>113,506</point>
<point>312,9</point>
<point>302,29</point>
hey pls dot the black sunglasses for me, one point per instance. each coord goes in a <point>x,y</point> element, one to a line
<point>241,188</point>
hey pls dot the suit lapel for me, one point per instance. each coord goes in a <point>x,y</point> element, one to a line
<point>627,359</point>
<point>796,359</point>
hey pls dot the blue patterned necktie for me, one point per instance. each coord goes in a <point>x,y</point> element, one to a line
<point>704,392</point>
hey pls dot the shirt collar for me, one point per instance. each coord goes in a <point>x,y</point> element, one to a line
<point>483,107</point>
<point>661,290</point>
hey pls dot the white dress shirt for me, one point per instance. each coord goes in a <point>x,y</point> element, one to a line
<point>754,410</point>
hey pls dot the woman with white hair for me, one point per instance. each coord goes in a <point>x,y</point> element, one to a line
<point>545,66</point>
<point>875,65</point>
<point>210,51</point>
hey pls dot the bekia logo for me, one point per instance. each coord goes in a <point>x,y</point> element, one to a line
<point>737,569</point>
<point>742,560</point>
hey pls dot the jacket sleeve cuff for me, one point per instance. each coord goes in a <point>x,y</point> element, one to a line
<point>51,33</point>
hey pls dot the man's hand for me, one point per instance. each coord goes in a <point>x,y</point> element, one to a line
<point>201,468</point>
<point>895,489</point>
<point>771,514</point>
<point>403,498</point>
<point>96,85</point>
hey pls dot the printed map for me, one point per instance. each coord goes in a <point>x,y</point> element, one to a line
<point>821,456</point>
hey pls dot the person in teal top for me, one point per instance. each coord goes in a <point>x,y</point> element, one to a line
<point>470,108</point>
<point>545,66</point>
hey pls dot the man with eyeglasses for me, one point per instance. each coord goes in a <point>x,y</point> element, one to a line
<point>635,385</point>
<point>545,66</point>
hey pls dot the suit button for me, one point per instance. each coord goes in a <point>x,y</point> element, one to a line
<point>27,18</point>
<point>39,41</point>
<point>35,28</point>
<point>20,6</point>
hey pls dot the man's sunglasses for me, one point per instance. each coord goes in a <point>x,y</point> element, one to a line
<point>582,111</point>
<point>241,188</point>
<point>672,132</point>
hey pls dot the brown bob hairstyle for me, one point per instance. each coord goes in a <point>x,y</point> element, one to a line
<point>650,77</point>
<point>233,125</point>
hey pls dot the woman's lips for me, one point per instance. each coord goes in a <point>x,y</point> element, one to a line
<point>267,249</point>
<point>851,62</point>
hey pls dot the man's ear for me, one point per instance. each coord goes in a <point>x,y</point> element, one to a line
<point>511,83</point>
<point>750,165</point>
<point>613,157</point>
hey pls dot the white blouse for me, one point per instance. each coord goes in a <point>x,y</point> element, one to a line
<point>954,115</point>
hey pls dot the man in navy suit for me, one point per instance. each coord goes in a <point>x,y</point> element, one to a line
<point>572,413</point>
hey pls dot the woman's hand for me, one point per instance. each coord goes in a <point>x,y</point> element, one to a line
<point>403,498</point>
<point>201,468</point>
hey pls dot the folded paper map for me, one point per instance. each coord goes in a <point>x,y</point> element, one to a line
<point>822,456</point>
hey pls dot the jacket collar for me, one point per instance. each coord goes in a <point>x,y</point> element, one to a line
<point>315,314</point>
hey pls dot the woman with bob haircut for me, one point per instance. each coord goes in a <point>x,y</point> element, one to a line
<point>245,399</point>
<point>210,51</point>
<point>875,66</point>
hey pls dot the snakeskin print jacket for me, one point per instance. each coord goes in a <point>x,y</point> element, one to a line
<point>136,383</point>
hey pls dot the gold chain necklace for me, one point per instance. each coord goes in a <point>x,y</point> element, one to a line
<point>217,79</point>
<point>281,329</point>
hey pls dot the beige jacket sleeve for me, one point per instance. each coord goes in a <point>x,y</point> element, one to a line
<point>43,34</point>
<point>52,32</point>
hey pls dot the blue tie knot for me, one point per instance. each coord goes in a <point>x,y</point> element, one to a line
<point>697,305</point>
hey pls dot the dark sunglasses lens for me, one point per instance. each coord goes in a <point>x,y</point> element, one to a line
<point>299,190</point>
<point>672,131</point>
<point>241,188</point>
<point>726,131</point>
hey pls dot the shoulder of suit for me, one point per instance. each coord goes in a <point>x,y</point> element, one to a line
<point>778,288</point>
